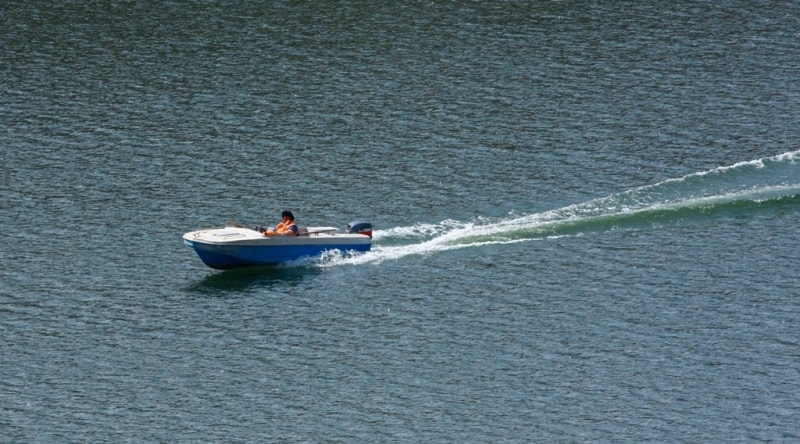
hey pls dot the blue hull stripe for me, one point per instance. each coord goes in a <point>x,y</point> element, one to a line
<point>228,256</point>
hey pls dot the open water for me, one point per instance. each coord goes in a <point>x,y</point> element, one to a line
<point>586,221</point>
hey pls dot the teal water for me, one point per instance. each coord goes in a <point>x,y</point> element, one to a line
<point>586,221</point>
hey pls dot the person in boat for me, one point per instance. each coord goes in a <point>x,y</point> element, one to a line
<point>286,227</point>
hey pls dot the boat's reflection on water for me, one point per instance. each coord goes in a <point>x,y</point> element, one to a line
<point>223,283</point>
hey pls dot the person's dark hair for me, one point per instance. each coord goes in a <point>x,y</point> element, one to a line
<point>287,213</point>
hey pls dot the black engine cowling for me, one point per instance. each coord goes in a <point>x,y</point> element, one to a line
<point>364,228</point>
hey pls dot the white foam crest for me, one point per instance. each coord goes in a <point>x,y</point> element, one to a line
<point>761,194</point>
<point>450,238</point>
<point>790,156</point>
<point>447,235</point>
<point>380,254</point>
<point>452,234</point>
<point>421,230</point>
<point>756,195</point>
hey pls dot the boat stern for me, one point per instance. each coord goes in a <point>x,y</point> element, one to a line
<point>358,227</point>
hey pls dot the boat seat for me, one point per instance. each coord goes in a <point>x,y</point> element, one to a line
<point>302,231</point>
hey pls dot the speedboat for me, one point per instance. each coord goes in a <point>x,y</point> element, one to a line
<point>236,246</point>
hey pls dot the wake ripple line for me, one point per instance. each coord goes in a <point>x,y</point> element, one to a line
<point>719,186</point>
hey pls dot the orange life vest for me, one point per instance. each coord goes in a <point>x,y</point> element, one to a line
<point>285,228</point>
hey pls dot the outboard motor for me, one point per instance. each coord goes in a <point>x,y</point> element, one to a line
<point>364,228</point>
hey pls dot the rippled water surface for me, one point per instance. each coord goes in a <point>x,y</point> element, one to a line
<point>586,221</point>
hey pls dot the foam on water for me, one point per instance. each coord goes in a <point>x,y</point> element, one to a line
<point>758,181</point>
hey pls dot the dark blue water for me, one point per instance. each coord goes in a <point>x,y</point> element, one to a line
<point>586,221</point>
